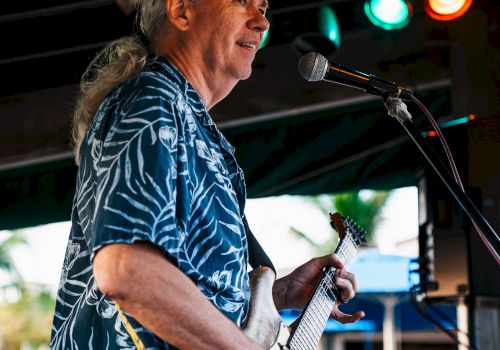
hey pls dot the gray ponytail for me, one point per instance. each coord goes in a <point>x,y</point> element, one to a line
<point>117,62</point>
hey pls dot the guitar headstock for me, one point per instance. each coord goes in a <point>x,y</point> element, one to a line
<point>345,225</point>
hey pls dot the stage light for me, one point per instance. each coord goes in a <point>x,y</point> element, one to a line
<point>329,24</point>
<point>446,10</point>
<point>450,122</point>
<point>321,34</point>
<point>266,35</point>
<point>388,14</point>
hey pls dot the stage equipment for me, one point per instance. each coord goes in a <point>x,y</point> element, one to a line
<point>446,10</point>
<point>315,67</point>
<point>318,68</point>
<point>443,236</point>
<point>320,33</point>
<point>389,14</point>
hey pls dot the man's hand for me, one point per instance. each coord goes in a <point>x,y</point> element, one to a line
<point>294,290</point>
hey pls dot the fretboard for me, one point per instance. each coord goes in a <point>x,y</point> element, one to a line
<point>314,317</point>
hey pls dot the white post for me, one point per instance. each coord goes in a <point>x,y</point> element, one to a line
<point>462,325</point>
<point>389,328</point>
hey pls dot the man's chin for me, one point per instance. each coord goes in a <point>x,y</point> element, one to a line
<point>245,75</point>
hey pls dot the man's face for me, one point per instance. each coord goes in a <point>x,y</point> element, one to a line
<point>228,34</point>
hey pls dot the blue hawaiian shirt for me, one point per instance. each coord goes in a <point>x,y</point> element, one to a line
<point>154,167</point>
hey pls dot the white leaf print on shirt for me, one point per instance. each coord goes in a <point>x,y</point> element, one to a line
<point>168,137</point>
<point>219,291</point>
<point>72,251</point>
<point>188,120</point>
<point>212,160</point>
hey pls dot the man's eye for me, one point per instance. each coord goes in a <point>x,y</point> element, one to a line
<point>242,2</point>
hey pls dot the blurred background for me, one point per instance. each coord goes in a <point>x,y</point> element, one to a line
<point>426,279</point>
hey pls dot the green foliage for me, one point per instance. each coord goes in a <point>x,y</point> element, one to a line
<point>364,210</point>
<point>15,238</point>
<point>28,320</point>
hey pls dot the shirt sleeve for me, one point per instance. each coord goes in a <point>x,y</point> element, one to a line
<point>141,188</point>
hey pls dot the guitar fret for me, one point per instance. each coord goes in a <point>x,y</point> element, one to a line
<point>349,245</point>
<point>340,253</point>
<point>314,324</point>
<point>328,299</point>
<point>298,340</point>
<point>321,314</point>
<point>315,335</point>
<point>328,275</point>
<point>315,316</point>
<point>300,343</point>
<point>352,248</point>
<point>316,321</point>
<point>313,327</point>
<point>309,340</point>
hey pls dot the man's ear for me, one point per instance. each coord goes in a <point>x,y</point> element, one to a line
<point>176,12</point>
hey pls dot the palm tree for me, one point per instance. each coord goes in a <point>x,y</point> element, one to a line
<point>7,265</point>
<point>364,210</point>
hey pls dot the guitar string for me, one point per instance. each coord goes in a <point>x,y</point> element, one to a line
<point>323,289</point>
<point>316,331</point>
<point>308,323</point>
<point>309,320</point>
<point>303,334</point>
<point>346,253</point>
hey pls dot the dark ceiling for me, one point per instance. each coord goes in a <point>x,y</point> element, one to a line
<point>50,44</point>
<point>292,136</point>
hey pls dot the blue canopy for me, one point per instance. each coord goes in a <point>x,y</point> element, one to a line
<point>379,273</point>
<point>379,276</point>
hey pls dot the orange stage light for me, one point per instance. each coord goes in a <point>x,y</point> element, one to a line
<point>446,10</point>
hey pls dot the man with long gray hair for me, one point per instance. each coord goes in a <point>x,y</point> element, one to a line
<point>157,254</point>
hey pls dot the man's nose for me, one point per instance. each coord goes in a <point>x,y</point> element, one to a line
<point>259,22</point>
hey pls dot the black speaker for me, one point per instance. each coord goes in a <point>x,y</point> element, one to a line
<point>443,242</point>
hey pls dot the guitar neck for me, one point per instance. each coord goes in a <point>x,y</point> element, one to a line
<point>313,319</point>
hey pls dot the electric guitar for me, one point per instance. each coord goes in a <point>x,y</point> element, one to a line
<point>264,323</point>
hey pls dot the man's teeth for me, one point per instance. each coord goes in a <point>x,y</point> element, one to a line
<point>252,46</point>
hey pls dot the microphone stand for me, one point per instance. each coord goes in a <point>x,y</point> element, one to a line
<point>397,109</point>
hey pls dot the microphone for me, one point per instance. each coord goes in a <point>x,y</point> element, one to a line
<point>315,67</point>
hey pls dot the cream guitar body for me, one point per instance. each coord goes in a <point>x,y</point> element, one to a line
<point>264,323</point>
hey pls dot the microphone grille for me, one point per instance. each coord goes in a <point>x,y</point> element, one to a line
<point>313,66</point>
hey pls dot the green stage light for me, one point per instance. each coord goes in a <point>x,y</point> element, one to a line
<point>319,31</point>
<point>265,39</point>
<point>388,14</point>
<point>329,25</point>
<point>266,35</point>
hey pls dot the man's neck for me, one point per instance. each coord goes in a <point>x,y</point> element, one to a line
<point>211,87</point>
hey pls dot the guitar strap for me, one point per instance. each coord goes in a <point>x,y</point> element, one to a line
<point>256,254</point>
<point>130,330</point>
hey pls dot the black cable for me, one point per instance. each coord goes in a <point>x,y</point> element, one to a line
<point>494,239</point>
<point>420,306</point>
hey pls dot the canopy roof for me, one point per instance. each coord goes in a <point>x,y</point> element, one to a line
<point>291,136</point>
